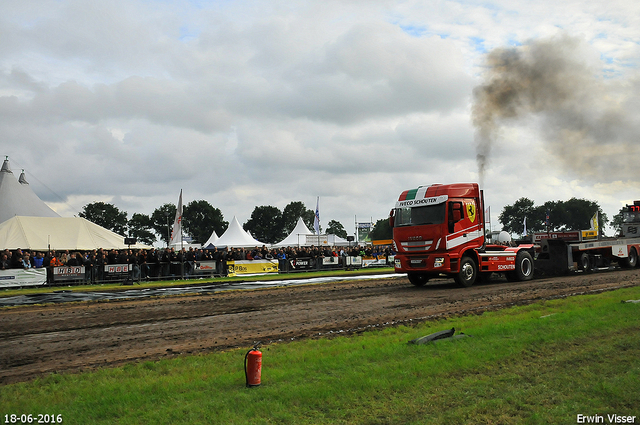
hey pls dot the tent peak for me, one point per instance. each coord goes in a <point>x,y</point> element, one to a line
<point>5,166</point>
<point>22,179</point>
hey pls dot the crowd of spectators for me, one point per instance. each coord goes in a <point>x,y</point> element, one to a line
<point>160,263</point>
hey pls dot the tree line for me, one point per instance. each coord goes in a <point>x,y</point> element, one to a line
<point>269,224</point>
<point>200,219</point>
<point>553,216</point>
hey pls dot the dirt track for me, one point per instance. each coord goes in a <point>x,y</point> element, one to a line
<point>71,337</point>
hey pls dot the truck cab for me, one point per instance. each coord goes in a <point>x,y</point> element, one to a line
<point>439,230</point>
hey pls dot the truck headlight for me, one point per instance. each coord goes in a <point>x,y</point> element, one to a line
<point>397,263</point>
<point>438,262</point>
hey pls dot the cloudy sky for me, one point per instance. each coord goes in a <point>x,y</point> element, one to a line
<point>247,103</point>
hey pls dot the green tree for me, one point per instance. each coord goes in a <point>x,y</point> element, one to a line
<point>162,221</point>
<point>513,216</point>
<point>574,214</point>
<point>107,216</point>
<point>336,228</point>
<point>292,212</point>
<point>265,224</point>
<point>140,227</point>
<point>201,219</point>
<point>617,221</point>
<point>579,212</point>
<point>381,230</point>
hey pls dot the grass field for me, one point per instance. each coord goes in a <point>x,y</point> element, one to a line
<point>543,363</point>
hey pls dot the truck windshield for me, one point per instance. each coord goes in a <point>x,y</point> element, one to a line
<point>431,214</point>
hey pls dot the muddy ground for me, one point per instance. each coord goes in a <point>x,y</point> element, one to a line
<point>37,340</point>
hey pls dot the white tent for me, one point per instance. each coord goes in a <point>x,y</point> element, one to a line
<point>43,233</point>
<point>335,240</point>
<point>236,237</point>
<point>212,241</point>
<point>297,237</point>
<point>17,198</point>
<point>302,236</point>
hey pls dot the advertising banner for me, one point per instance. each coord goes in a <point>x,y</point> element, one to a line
<point>20,277</point>
<point>374,262</point>
<point>68,273</point>
<point>116,271</point>
<point>205,267</point>
<point>240,267</point>
<point>302,263</point>
<point>567,236</point>
<point>316,240</point>
<point>331,262</point>
<point>363,232</point>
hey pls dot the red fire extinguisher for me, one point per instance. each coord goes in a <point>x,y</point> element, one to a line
<point>253,366</point>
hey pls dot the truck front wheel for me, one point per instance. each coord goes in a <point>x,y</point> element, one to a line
<point>418,279</point>
<point>468,273</point>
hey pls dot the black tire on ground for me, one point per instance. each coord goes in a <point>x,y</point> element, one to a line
<point>585,263</point>
<point>468,273</point>
<point>418,279</point>
<point>631,261</point>
<point>524,266</point>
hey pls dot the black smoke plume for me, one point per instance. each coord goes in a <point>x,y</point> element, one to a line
<point>559,88</point>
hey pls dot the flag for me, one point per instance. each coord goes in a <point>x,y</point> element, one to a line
<point>487,215</point>
<point>594,223</point>
<point>176,232</point>
<point>524,232</point>
<point>546,217</point>
<point>316,220</point>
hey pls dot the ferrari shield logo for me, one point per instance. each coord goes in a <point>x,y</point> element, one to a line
<point>471,211</point>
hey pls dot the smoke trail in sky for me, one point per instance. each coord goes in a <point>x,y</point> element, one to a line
<point>586,120</point>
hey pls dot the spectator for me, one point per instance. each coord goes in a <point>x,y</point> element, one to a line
<point>16,259</point>
<point>4,261</point>
<point>38,260</point>
<point>26,261</point>
<point>56,261</point>
<point>144,266</point>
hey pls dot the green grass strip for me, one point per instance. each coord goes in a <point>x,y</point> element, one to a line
<point>544,363</point>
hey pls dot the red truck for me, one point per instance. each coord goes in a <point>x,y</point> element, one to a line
<point>439,230</point>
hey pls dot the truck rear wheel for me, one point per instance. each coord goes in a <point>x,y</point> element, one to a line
<point>524,266</point>
<point>631,261</point>
<point>418,279</point>
<point>468,273</point>
<point>585,263</point>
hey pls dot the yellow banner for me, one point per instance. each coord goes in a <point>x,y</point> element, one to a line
<point>252,267</point>
<point>589,234</point>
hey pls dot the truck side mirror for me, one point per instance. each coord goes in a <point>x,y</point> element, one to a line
<point>392,218</point>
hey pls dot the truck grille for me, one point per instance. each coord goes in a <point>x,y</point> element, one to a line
<point>413,246</point>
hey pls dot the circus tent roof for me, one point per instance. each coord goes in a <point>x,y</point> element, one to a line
<point>72,233</point>
<point>17,198</point>
<point>236,237</point>
<point>297,236</point>
<point>212,241</point>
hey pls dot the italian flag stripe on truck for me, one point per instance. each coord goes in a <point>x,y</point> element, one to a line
<point>417,193</point>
